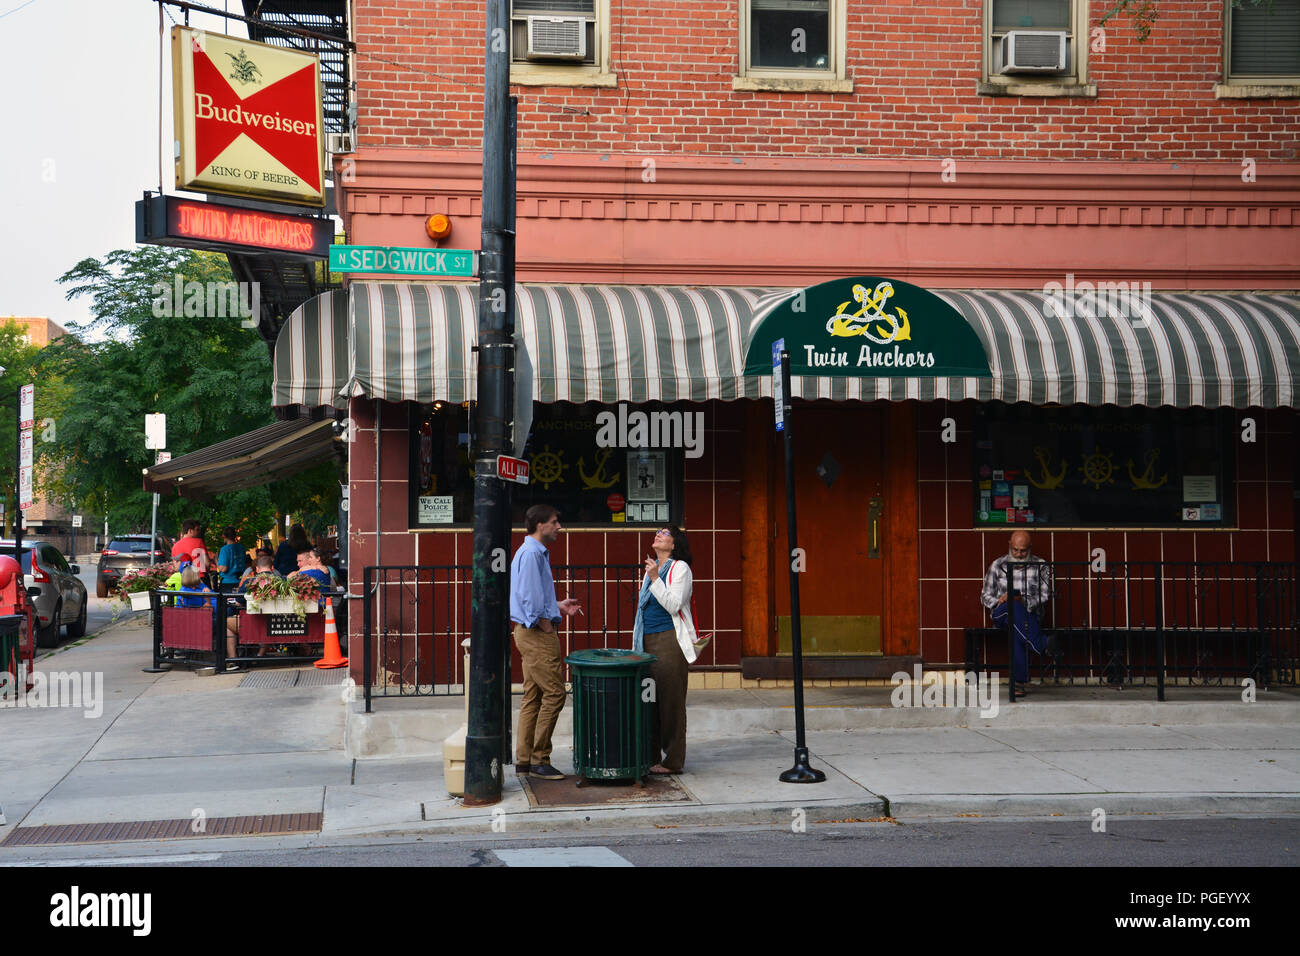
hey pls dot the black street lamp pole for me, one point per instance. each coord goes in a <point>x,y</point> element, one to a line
<point>801,772</point>
<point>489,689</point>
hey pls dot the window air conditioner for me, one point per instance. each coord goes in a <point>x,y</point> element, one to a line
<point>557,38</point>
<point>338,143</point>
<point>1033,51</point>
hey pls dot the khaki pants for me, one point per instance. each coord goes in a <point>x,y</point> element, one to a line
<point>668,715</point>
<point>543,694</point>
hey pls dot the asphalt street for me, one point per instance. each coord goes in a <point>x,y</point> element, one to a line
<point>1125,842</point>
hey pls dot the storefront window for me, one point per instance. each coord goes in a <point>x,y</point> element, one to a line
<point>590,475</point>
<point>1103,467</point>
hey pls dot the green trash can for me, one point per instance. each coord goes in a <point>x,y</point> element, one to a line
<point>611,723</point>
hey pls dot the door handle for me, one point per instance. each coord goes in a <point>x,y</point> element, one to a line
<point>875,508</point>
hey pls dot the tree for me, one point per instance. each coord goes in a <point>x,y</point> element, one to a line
<point>1145,12</point>
<point>208,374</point>
<point>18,358</point>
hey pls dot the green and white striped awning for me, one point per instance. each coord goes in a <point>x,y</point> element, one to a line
<point>310,363</point>
<point>412,342</point>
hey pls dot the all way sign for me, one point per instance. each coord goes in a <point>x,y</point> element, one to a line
<point>404,260</point>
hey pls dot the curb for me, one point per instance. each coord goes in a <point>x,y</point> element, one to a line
<point>659,816</point>
<point>1082,806</point>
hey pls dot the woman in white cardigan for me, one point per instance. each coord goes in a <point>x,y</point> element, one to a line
<point>664,628</point>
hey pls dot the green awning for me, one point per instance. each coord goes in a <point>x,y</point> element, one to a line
<point>413,341</point>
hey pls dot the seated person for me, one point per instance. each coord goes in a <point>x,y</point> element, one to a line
<point>192,581</point>
<point>265,564</point>
<point>1031,590</point>
<point>310,564</point>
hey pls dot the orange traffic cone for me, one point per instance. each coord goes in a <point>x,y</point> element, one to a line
<point>333,654</point>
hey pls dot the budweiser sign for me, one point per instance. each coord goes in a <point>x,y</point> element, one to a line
<point>248,118</point>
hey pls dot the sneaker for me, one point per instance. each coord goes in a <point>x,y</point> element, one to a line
<point>521,769</point>
<point>233,669</point>
<point>546,772</point>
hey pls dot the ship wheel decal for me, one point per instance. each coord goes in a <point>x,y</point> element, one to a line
<point>1098,469</point>
<point>548,467</point>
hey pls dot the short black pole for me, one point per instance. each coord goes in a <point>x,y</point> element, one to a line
<point>1160,630</point>
<point>18,481</point>
<point>1011,636</point>
<point>800,772</point>
<point>490,589</point>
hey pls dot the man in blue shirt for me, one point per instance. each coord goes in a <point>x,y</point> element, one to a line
<point>536,615</point>
<point>232,560</point>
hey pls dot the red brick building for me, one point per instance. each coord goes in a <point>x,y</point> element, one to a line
<point>693,159</point>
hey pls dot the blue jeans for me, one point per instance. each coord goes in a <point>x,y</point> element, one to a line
<point>1028,633</point>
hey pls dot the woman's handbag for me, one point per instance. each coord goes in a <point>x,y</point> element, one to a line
<point>701,640</point>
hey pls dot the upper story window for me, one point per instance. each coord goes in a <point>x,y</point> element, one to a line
<point>560,43</point>
<point>795,45</point>
<point>1261,44</point>
<point>1036,48</point>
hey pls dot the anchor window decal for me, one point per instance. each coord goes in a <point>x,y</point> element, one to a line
<point>1102,467</point>
<point>594,477</point>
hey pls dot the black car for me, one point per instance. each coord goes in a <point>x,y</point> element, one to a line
<point>127,552</point>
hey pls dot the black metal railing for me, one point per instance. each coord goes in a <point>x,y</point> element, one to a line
<point>417,617</point>
<point>198,634</point>
<point>1142,622</point>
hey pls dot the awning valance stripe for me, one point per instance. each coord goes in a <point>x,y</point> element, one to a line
<point>413,341</point>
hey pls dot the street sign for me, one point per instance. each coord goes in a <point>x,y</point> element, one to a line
<point>778,393</point>
<point>26,406</point>
<point>25,487</point>
<point>76,521</point>
<point>404,260</point>
<point>512,469</point>
<point>163,456</point>
<point>155,431</point>
<point>25,448</point>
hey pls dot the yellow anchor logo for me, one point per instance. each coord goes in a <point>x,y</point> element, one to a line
<point>598,479</point>
<point>1049,480</point>
<point>1144,480</point>
<point>872,308</point>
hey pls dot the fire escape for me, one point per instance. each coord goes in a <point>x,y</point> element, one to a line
<point>286,284</point>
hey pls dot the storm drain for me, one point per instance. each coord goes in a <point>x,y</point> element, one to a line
<point>307,677</point>
<point>275,824</point>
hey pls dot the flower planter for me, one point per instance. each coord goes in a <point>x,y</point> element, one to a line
<point>279,605</point>
<point>139,600</point>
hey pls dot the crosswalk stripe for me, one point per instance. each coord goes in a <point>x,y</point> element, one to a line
<point>562,856</point>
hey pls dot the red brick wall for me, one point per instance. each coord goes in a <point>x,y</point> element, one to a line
<point>954,556</point>
<point>915,67</point>
<point>711,518</point>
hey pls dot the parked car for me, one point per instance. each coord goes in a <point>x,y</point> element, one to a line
<point>127,552</point>
<point>54,588</point>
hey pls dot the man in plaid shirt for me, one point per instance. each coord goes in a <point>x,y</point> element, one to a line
<point>1031,589</point>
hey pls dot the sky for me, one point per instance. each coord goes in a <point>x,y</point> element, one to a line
<point>78,137</point>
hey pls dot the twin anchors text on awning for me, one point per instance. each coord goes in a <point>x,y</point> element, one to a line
<point>869,326</point>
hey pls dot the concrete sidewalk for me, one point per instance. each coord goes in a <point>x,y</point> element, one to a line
<point>175,745</point>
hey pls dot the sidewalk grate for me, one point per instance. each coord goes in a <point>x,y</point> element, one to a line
<point>307,677</point>
<point>595,793</point>
<point>274,824</point>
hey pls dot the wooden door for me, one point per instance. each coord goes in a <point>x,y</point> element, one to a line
<point>840,529</point>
